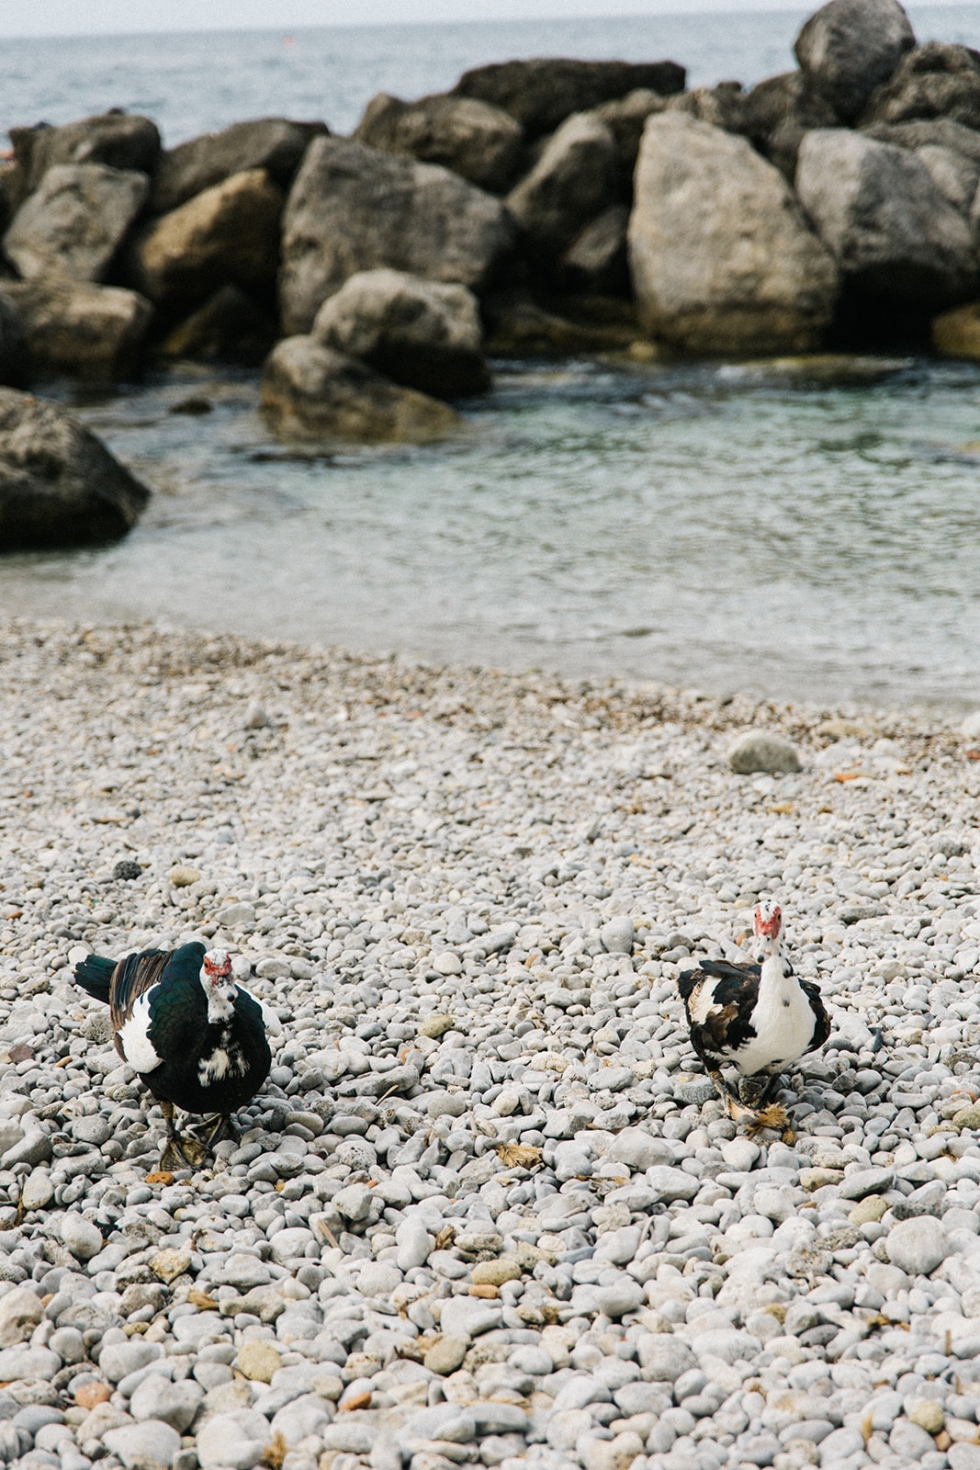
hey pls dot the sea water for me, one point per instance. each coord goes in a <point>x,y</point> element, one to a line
<point>716,525</point>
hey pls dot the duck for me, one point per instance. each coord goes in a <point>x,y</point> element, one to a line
<point>756,1017</point>
<point>197,1039</point>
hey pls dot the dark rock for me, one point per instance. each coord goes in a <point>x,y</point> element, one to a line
<point>850,47</point>
<point>880,214</point>
<point>481,143</point>
<point>596,259</point>
<point>127,871</point>
<point>194,406</point>
<point>957,333</point>
<point>626,118</point>
<point>421,334</point>
<point>14,359</point>
<point>721,106</point>
<point>229,327</point>
<point>227,233</point>
<point>767,287</point>
<point>59,485</point>
<point>935,80</point>
<point>80,329</point>
<point>354,208</point>
<point>75,220</point>
<point>272,143</point>
<point>312,392</point>
<point>542,92</point>
<point>939,132</point>
<point>777,113</point>
<point>519,326</point>
<point>116,139</point>
<point>573,180</point>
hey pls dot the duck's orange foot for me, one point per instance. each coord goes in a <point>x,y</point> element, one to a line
<point>773,1116</point>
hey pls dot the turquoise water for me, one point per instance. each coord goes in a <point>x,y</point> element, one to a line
<point>709,526</point>
<point>706,526</point>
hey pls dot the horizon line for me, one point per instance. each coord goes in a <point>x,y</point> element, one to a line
<point>679,10</point>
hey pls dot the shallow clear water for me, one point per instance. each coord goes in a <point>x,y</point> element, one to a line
<point>711,526</point>
<point>705,526</point>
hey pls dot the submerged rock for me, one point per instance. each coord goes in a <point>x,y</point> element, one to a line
<point>353,208</point>
<point>542,92</point>
<point>59,485</point>
<point>312,392</point>
<point>957,333</point>
<point>849,47</point>
<point>879,212</point>
<point>481,143</point>
<point>770,287</point>
<point>75,221</point>
<point>421,334</point>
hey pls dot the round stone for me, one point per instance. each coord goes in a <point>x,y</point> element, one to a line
<point>82,1238</point>
<point>446,1354</point>
<point>917,1246</point>
<point>258,1361</point>
<point>495,1273</point>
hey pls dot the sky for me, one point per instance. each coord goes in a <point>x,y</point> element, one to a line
<point>94,17</point>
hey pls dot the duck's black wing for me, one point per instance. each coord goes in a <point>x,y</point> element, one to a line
<point>719,999</point>
<point>821,1028</point>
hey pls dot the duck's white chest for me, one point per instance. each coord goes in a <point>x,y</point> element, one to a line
<point>783,1021</point>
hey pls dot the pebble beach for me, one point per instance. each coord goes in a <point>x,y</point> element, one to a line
<point>487,1210</point>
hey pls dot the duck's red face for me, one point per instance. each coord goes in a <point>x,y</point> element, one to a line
<point>768,920</point>
<point>217,966</point>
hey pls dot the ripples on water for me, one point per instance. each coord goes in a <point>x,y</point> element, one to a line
<point>707,526</point>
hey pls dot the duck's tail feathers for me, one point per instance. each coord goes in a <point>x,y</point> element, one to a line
<point>94,975</point>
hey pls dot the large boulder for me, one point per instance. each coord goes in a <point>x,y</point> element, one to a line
<point>77,329</point>
<point>312,392</point>
<point>596,260</point>
<point>721,257</point>
<point>950,151</point>
<point>541,93</point>
<point>935,80</point>
<point>482,144</point>
<point>354,208</point>
<point>626,118</point>
<point>573,180</point>
<point>231,326</point>
<point>778,112</point>
<point>228,233</point>
<point>116,139</point>
<point>850,47</point>
<point>272,143</point>
<point>422,334</point>
<point>879,212</point>
<point>59,485</point>
<point>75,221</point>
